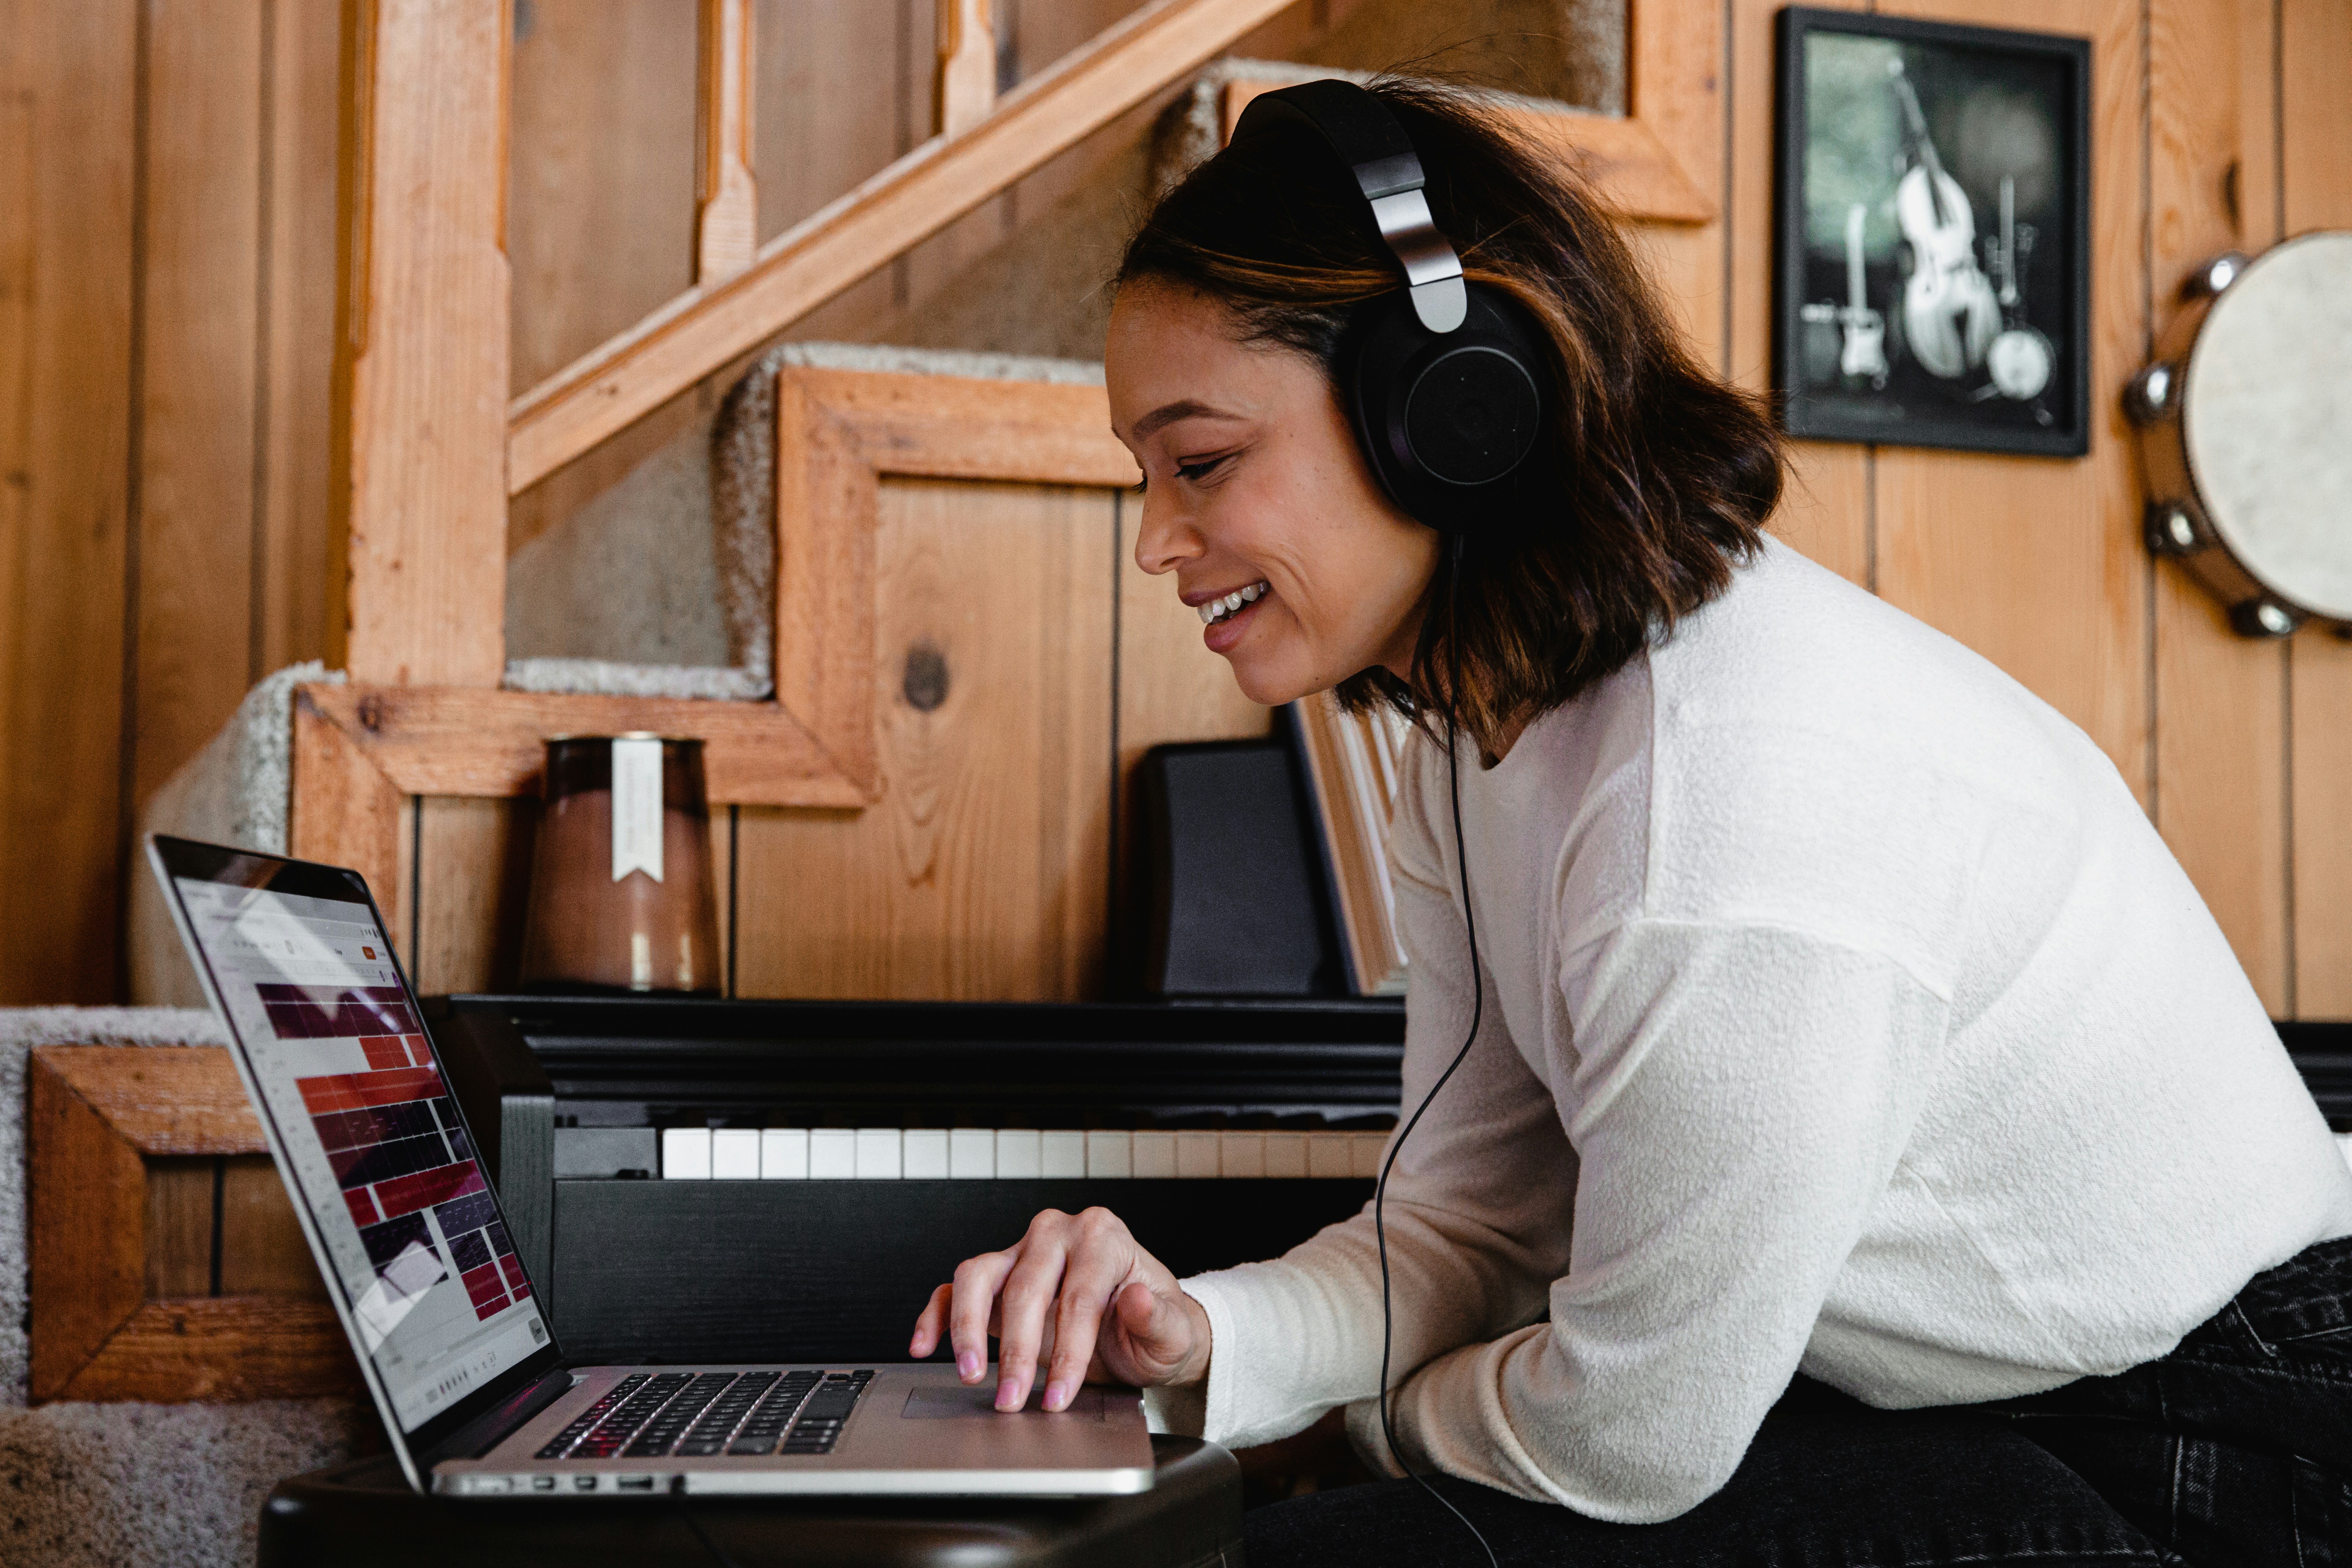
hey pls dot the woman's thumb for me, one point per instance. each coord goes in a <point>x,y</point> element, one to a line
<point>1158,1329</point>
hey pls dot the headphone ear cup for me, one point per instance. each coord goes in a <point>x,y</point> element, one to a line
<point>1448,422</point>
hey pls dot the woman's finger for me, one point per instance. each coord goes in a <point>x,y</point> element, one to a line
<point>977,1280</point>
<point>1102,1258</point>
<point>1026,1298</point>
<point>930,1323</point>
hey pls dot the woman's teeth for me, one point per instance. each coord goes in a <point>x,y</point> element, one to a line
<point>1217,610</point>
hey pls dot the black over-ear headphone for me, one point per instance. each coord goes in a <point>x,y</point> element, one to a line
<point>1445,379</point>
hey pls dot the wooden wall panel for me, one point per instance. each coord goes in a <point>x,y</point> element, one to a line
<point>198,282</point>
<point>65,427</point>
<point>2036,562</point>
<point>983,870</point>
<point>2314,137</point>
<point>1687,46</point>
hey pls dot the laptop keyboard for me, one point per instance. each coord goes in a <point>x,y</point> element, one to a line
<point>697,1415</point>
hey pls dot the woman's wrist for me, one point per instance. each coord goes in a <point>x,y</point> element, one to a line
<point>1195,1371</point>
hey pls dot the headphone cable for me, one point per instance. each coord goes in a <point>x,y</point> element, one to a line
<point>1478,1011</point>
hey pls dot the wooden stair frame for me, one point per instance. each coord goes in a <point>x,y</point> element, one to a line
<point>428,446</point>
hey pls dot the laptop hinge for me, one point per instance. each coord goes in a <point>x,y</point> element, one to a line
<point>488,1430</point>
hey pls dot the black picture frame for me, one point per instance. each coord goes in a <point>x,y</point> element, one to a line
<point>1952,367</point>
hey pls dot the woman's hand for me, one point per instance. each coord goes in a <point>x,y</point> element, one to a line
<point>1077,1288</point>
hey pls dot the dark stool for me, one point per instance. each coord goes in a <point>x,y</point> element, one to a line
<point>362,1514</point>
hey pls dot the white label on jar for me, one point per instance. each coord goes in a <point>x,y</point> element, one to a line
<point>638,808</point>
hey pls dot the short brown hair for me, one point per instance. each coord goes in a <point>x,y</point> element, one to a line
<point>1658,475</point>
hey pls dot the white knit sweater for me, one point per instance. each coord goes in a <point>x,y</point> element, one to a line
<point>1843,1014</point>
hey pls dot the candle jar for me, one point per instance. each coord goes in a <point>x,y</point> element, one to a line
<point>622,895</point>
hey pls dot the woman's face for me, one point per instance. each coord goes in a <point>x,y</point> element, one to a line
<point>1254,488</point>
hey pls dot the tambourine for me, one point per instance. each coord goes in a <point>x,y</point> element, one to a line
<point>2245,432</point>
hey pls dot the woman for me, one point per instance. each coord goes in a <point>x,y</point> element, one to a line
<point>1867,1148</point>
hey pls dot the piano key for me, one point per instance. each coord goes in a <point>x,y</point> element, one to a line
<point>1370,1149</point>
<point>833,1153</point>
<point>1196,1154</point>
<point>1061,1154</point>
<point>686,1153</point>
<point>1241,1154</point>
<point>879,1154</point>
<point>971,1152</point>
<point>1110,1154</point>
<point>735,1154</point>
<point>1155,1154</point>
<point>1016,1153</point>
<point>1286,1154</point>
<point>1331,1154</point>
<point>924,1153</point>
<point>784,1154</point>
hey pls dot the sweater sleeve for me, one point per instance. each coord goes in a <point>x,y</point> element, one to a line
<point>1478,1216</point>
<point>1742,1095</point>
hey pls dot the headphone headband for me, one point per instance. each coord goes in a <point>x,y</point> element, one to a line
<point>1364,136</point>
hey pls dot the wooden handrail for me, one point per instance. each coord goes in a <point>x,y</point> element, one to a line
<point>922,192</point>
<point>727,203</point>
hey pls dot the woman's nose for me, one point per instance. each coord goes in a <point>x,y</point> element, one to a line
<point>1166,539</point>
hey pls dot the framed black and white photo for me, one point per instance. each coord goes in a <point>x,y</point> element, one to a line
<point>1932,270</point>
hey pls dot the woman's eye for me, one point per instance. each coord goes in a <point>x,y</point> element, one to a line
<point>1190,472</point>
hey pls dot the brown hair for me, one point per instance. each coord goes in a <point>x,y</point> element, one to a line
<point>1655,477</point>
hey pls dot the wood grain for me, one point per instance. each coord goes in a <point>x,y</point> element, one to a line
<point>192,661</point>
<point>179,1224</point>
<point>344,810</point>
<point>220,1349</point>
<point>2317,192</point>
<point>421,476</point>
<point>981,872</point>
<point>262,1250</point>
<point>65,418</point>
<point>920,194</point>
<point>966,89</point>
<point>2034,562</point>
<point>726,211</point>
<point>161,1100</point>
<point>1677,59</point>
<point>2220,795</point>
<point>86,1227</point>
<point>473,884</point>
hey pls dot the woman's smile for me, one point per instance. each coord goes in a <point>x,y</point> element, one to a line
<point>1228,615</point>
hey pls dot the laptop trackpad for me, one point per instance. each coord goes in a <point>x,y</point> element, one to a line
<point>936,1403</point>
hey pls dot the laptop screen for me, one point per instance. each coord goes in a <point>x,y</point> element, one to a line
<point>372,1142</point>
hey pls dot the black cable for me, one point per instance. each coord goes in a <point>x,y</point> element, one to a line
<point>1477,1010</point>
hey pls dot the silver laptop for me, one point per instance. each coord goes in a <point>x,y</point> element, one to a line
<point>467,1374</point>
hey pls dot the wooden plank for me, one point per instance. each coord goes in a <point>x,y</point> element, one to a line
<point>463,740</point>
<point>1677,60</point>
<point>65,329</point>
<point>2221,742</point>
<point>161,1099</point>
<point>193,639</point>
<point>1825,510</point>
<point>473,882</point>
<point>2037,563</point>
<point>966,91</point>
<point>298,349</point>
<point>420,474</point>
<point>179,1228</point>
<point>981,872</point>
<point>221,1349</point>
<point>1623,160</point>
<point>1171,688</point>
<point>262,1251</point>
<point>346,812</point>
<point>916,196</point>
<point>2315,126</point>
<point>726,217</point>
<point>86,1227</point>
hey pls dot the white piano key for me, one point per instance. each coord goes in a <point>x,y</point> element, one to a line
<point>1285,1154</point>
<point>1370,1149</point>
<point>1110,1154</point>
<point>1155,1154</point>
<point>1241,1154</point>
<point>833,1153</point>
<point>971,1152</point>
<point>784,1154</point>
<point>1329,1154</point>
<point>686,1153</point>
<point>735,1154</point>
<point>1061,1154</point>
<point>1196,1154</point>
<point>879,1154</point>
<point>1016,1153</point>
<point>924,1153</point>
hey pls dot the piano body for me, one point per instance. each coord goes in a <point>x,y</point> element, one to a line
<point>737,1181</point>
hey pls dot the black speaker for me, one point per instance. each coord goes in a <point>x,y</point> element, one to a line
<point>1232,905</point>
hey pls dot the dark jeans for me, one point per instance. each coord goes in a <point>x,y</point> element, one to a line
<point>2233,1451</point>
